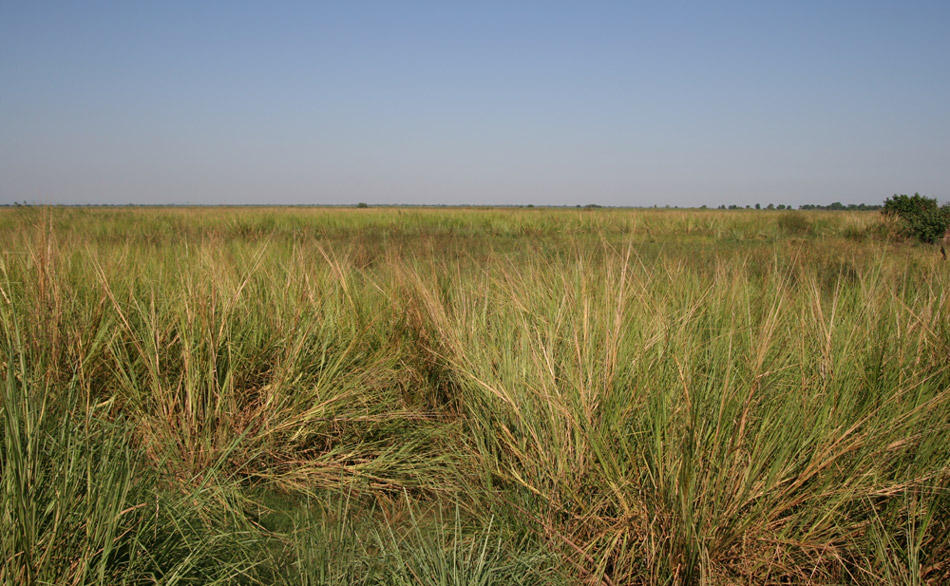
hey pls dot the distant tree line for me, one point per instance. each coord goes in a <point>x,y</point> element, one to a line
<point>808,206</point>
<point>840,206</point>
<point>757,206</point>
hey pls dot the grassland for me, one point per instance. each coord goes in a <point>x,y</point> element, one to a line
<point>439,396</point>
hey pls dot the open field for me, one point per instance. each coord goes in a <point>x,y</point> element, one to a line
<point>477,396</point>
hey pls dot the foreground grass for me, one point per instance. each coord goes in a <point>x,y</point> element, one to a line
<point>471,396</point>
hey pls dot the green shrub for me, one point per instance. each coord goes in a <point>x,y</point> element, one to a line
<point>919,215</point>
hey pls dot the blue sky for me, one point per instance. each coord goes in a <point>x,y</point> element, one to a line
<point>666,103</point>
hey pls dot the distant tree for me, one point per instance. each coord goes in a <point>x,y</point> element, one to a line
<point>362,204</point>
<point>771,206</point>
<point>758,206</point>
<point>781,206</point>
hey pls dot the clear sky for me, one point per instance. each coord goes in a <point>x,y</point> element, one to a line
<point>616,103</point>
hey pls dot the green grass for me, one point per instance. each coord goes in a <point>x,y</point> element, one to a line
<point>477,396</point>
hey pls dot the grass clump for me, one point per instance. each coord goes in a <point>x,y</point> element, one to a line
<point>795,224</point>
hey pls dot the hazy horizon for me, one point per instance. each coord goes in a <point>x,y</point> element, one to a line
<point>426,104</point>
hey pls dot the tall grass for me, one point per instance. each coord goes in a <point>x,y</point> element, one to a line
<point>471,396</point>
<point>672,425</point>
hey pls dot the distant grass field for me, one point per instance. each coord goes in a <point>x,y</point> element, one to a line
<point>471,396</point>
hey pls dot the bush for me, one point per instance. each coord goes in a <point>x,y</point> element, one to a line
<point>919,215</point>
<point>795,223</point>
